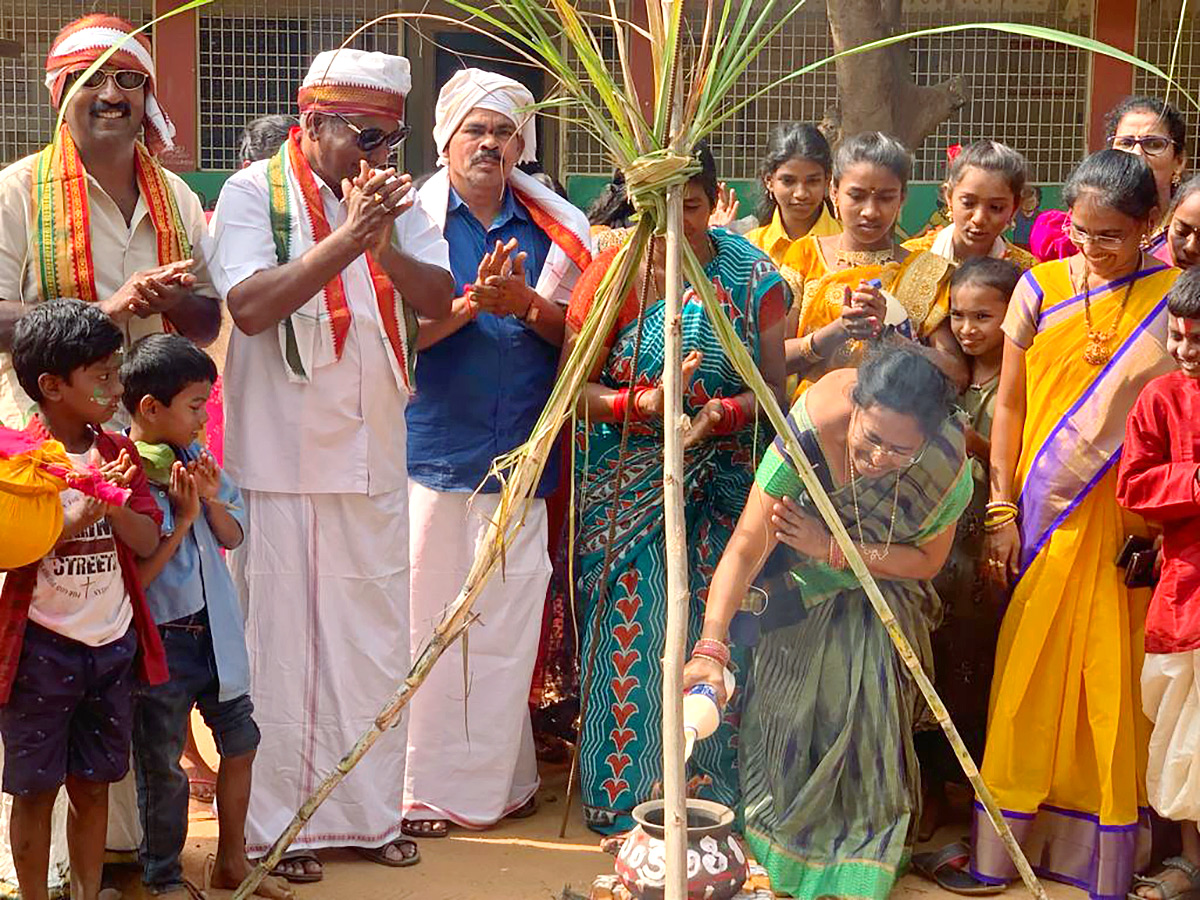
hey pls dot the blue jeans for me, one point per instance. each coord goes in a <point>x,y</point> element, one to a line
<point>160,727</point>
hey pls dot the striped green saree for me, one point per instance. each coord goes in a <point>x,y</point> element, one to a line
<point>829,774</point>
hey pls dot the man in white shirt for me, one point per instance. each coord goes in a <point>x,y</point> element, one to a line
<point>141,256</point>
<point>325,262</point>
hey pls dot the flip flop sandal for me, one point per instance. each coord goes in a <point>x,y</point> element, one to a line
<point>1166,892</point>
<point>302,877</point>
<point>525,810</point>
<point>945,867</point>
<point>425,828</point>
<point>379,854</point>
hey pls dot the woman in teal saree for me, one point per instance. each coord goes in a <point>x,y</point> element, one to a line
<point>621,735</point>
<point>830,785</point>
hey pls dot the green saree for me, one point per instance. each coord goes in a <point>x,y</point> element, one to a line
<point>829,775</point>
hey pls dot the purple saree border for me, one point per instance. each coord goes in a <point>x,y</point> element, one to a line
<point>1111,286</point>
<point>1063,845</point>
<point>1032,514</point>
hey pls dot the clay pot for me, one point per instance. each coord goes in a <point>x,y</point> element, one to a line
<point>715,859</point>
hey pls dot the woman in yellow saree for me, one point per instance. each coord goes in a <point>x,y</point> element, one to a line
<point>1066,745</point>
<point>852,288</point>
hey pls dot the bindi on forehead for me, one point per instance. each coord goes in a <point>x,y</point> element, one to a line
<point>1186,327</point>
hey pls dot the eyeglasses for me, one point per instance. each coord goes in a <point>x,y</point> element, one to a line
<point>1151,144</point>
<point>1080,238</point>
<point>369,139</point>
<point>126,79</point>
<point>879,448</point>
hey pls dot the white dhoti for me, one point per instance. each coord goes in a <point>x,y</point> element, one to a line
<point>1171,701</point>
<point>471,756</point>
<point>324,580</point>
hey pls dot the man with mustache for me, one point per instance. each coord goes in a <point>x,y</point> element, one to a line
<point>94,215</point>
<point>325,261</point>
<point>485,373</point>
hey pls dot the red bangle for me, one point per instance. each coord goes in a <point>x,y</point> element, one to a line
<point>620,401</point>
<point>733,417</point>
<point>472,306</point>
<point>837,559</point>
<point>717,651</point>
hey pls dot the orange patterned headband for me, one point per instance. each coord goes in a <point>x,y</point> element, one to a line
<point>351,100</point>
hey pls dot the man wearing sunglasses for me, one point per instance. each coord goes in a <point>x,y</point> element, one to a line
<point>485,373</point>
<point>325,260</point>
<point>103,221</point>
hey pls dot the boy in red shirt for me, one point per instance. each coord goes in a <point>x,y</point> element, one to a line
<point>1159,479</point>
<point>73,624</point>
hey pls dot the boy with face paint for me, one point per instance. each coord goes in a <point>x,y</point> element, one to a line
<point>73,624</point>
<point>1159,479</point>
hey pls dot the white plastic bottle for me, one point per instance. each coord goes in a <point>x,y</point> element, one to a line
<point>701,714</point>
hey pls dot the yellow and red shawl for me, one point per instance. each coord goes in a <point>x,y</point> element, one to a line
<point>62,244</point>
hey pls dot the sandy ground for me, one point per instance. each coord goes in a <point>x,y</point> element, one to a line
<point>517,860</point>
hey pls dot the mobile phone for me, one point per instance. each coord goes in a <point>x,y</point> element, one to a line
<point>1134,544</point>
<point>1139,573</point>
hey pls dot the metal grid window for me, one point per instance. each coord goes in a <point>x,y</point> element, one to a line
<point>583,154</point>
<point>254,54</point>
<point>1158,23</point>
<point>1028,93</point>
<point>1031,94</point>
<point>28,117</point>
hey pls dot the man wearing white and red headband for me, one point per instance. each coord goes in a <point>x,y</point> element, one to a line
<point>94,215</point>
<point>325,258</point>
<point>486,372</point>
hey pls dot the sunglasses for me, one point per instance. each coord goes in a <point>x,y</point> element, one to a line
<point>369,139</point>
<point>1152,145</point>
<point>126,79</point>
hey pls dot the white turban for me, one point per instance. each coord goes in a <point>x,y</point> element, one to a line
<point>470,89</point>
<point>356,83</point>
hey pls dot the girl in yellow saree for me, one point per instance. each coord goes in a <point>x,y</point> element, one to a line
<point>1066,746</point>
<point>850,289</point>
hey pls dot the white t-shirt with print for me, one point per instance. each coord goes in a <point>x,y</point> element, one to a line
<point>80,591</point>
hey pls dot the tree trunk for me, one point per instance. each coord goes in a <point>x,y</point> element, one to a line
<point>876,91</point>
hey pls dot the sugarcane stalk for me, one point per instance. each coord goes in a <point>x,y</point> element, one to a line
<point>675,529</point>
<point>674,519</point>
<point>753,378</point>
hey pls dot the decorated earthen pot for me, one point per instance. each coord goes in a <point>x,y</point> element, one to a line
<point>715,860</point>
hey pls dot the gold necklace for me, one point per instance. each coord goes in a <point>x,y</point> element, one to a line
<point>871,554</point>
<point>1098,352</point>
<point>856,258</point>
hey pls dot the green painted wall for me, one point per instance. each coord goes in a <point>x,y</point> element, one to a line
<point>921,204</point>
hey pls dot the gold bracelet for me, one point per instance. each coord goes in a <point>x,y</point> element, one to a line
<point>808,349</point>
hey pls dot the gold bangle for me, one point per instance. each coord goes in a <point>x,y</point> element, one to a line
<point>808,349</point>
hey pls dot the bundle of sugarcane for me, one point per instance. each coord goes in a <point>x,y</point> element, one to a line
<point>654,153</point>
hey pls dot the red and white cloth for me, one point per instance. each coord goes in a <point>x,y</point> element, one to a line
<point>81,43</point>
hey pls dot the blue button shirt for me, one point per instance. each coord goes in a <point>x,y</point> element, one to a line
<point>197,578</point>
<point>480,390</point>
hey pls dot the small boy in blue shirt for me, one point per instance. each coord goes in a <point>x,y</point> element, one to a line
<point>191,595</point>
